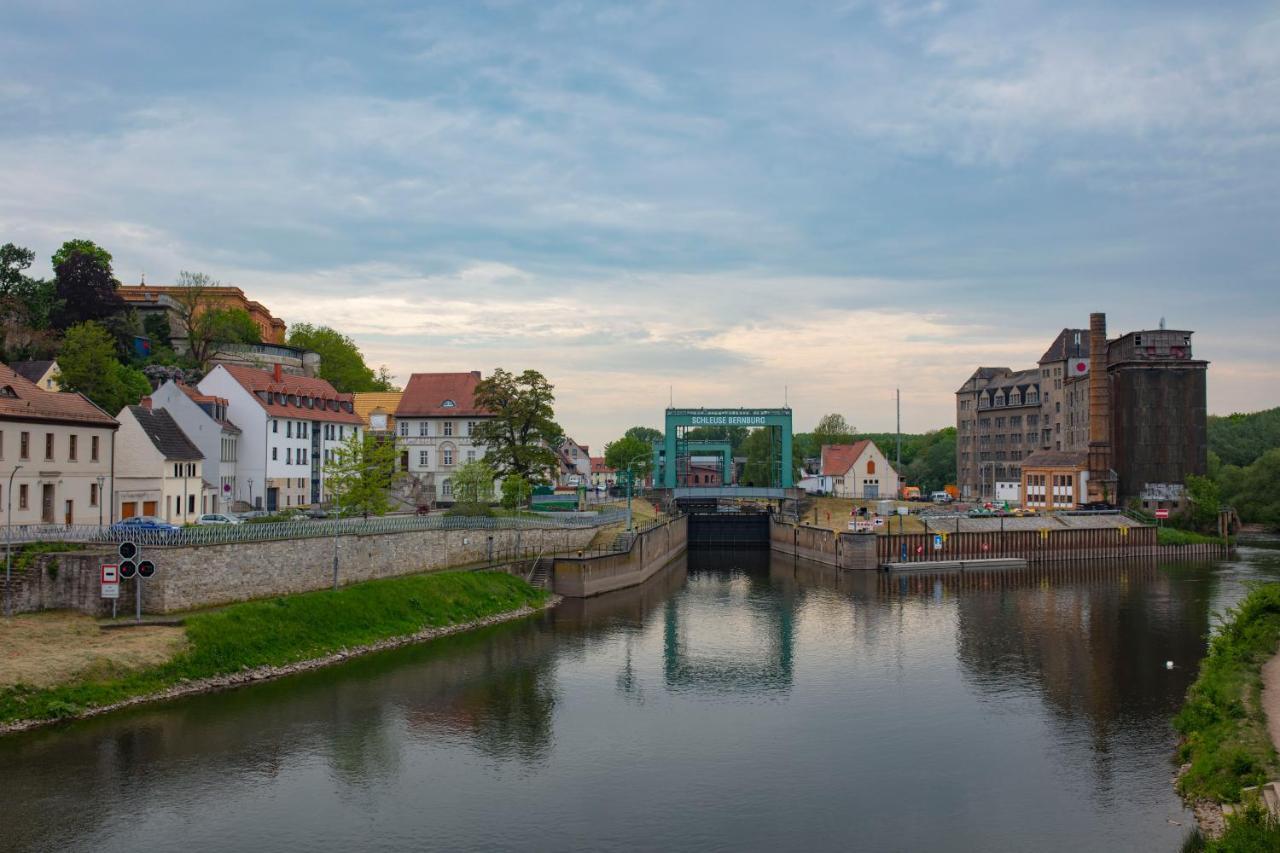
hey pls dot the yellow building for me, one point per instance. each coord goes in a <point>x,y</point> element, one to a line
<point>1055,479</point>
<point>378,409</point>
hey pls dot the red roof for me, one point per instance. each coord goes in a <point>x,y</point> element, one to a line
<point>299,397</point>
<point>440,395</point>
<point>598,466</point>
<point>196,396</point>
<point>21,399</point>
<point>837,459</point>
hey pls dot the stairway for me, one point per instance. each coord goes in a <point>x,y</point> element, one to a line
<point>1268,795</point>
<point>540,573</point>
<point>622,542</point>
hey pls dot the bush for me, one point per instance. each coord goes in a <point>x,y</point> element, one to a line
<point>478,510</point>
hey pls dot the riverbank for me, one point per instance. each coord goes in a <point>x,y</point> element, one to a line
<point>1226,745</point>
<point>265,639</point>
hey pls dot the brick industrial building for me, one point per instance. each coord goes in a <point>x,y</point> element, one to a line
<point>1128,415</point>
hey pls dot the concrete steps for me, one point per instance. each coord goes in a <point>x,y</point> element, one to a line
<point>1268,795</point>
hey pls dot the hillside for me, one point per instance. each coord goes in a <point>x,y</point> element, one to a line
<point>1240,439</point>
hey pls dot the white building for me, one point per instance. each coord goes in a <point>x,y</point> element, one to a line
<point>159,470</point>
<point>575,463</point>
<point>435,422</point>
<point>857,470</point>
<point>203,418</point>
<point>58,448</point>
<point>290,427</point>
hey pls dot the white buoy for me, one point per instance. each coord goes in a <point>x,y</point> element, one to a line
<point>1168,664</point>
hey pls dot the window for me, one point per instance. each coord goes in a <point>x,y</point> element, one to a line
<point>24,446</point>
<point>341,432</point>
<point>48,445</point>
<point>191,503</point>
<point>422,458</point>
<point>999,423</point>
<point>471,456</point>
<point>1137,340</point>
<point>288,429</point>
<point>446,456</point>
<point>871,466</point>
<point>448,427</point>
<point>275,425</point>
<point>93,494</point>
<point>446,489</point>
<point>404,428</point>
<point>93,449</point>
<point>275,454</point>
<point>424,428</point>
<point>288,456</point>
<point>471,427</point>
<point>22,494</point>
<point>71,447</point>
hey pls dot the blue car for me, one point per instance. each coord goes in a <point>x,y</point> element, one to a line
<point>143,522</point>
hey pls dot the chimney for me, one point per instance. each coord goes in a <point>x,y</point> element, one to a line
<point>1102,486</point>
<point>145,403</point>
<point>476,374</point>
<point>278,372</point>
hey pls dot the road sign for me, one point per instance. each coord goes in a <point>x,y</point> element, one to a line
<point>111,590</point>
<point>937,541</point>
<point>128,568</point>
<point>1162,513</point>
<point>110,573</point>
<point>127,550</point>
<point>146,569</point>
<point>902,510</point>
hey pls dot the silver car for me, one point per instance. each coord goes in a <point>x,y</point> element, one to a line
<point>218,518</point>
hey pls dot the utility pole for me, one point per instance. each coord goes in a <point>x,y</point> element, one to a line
<point>8,548</point>
<point>898,396</point>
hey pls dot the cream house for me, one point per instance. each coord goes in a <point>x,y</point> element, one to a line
<point>160,471</point>
<point>435,422</point>
<point>857,470</point>
<point>55,455</point>
<point>43,374</point>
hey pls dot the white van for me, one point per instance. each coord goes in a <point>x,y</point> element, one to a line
<point>940,498</point>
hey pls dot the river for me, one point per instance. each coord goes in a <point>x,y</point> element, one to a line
<point>738,701</point>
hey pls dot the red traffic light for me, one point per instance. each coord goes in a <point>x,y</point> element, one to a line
<point>146,569</point>
<point>128,568</point>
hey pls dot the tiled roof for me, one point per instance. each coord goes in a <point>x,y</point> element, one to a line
<point>1057,459</point>
<point>299,397</point>
<point>21,399</point>
<point>598,466</point>
<point>165,434</point>
<point>199,399</point>
<point>837,459</point>
<point>1022,377</point>
<point>32,370</point>
<point>1064,346</point>
<point>428,395</point>
<point>367,402</point>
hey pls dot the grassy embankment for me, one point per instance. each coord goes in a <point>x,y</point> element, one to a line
<point>1174,536</point>
<point>279,631</point>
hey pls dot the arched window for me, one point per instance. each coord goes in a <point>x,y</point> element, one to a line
<point>871,466</point>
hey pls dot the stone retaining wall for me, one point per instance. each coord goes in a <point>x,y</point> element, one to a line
<point>582,577</point>
<point>854,551</point>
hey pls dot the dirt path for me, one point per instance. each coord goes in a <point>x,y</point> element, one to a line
<point>1271,697</point>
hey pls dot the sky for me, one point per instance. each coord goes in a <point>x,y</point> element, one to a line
<point>716,204</point>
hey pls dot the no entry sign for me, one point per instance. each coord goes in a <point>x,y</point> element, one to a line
<point>110,580</point>
<point>1162,513</point>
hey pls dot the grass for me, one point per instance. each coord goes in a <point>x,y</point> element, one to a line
<point>25,555</point>
<point>1173,536</point>
<point>1249,831</point>
<point>1222,722</point>
<point>52,648</point>
<point>273,632</point>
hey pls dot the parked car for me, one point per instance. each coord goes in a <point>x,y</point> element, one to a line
<point>252,514</point>
<point>218,518</point>
<point>940,498</point>
<point>142,522</point>
<point>316,512</point>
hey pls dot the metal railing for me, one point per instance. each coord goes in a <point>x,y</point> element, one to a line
<point>228,534</point>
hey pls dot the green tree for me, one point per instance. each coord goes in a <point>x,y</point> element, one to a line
<point>1253,491</point>
<point>360,475</point>
<point>340,360</point>
<point>1204,498</point>
<point>384,381</point>
<point>87,364</point>
<point>84,284</point>
<point>649,435</point>
<point>205,323</point>
<point>473,483</point>
<point>520,435</point>
<point>833,429</point>
<point>27,306</point>
<point>629,452</point>
<point>1239,439</point>
<point>516,491</point>
<point>157,328</point>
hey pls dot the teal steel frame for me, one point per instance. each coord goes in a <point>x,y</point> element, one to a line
<point>675,446</point>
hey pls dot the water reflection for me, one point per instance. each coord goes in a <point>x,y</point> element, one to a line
<point>752,700</point>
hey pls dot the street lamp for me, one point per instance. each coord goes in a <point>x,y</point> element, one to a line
<point>629,467</point>
<point>250,493</point>
<point>8,549</point>
<point>100,479</point>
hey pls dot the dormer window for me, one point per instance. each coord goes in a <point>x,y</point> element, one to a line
<point>448,404</point>
<point>7,391</point>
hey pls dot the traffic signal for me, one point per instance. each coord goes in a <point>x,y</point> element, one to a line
<point>128,568</point>
<point>146,569</point>
<point>127,550</point>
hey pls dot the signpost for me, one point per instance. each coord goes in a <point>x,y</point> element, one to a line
<point>110,582</point>
<point>131,566</point>
<point>1162,514</point>
<point>937,541</point>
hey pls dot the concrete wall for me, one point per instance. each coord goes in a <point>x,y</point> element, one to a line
<point>581,577</point>
<point>856,551</point>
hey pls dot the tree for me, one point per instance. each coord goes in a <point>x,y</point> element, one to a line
<point>473,483</point>
<point>384,381</point>
<point>206,324</point>
<point>649,435</point>
<point>833,429</point>
<point>1204,498</point>
<point>84,284</point>
<point>516,491</point>
<point>629,452</point>
<point>520,435</point>
<point>360,475</point>
<point>340,360</point>
<point>88,364</point>
<point>1252,489</point>
<point>27,306</point>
